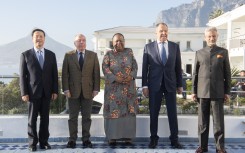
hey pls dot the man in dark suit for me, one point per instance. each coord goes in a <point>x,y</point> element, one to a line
<point>240,85</point>
<point>80,82</point>
<point>39,85</point>
<point>211,87</point>
<point>161,74</point>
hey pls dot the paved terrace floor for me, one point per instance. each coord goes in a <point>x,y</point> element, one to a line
<point>102,147</point>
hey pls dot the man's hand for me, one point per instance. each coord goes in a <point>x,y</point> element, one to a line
<point>95,93</point>
<point>194,97</point>
<point>54,96</point>
<point>146,92</point>
<point>67,94</point>
<point>128,79</point>
<point>179,90</point>
<point>226,97</point>
<point>25,98</point>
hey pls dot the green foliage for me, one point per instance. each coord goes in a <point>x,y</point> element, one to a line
<point>102,83</point>
<point>58,105</point>
<point>242,102</point>
<point>144,106</point>
<point>145,102</point>
<point>143,110</point>
<point>19,110</point>
<point>189,106</point>
<point>180,101</point>
<point>188,86</point>
<point>235,71</point>
<point>11,103</point>
<point>237,111</point>
<point>233,82</point>
<point>11,99</point>
<point>216,13</point>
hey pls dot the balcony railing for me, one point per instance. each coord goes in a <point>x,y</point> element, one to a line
<point>11,103</point>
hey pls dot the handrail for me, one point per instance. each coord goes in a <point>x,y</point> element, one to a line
<point>138,77</point>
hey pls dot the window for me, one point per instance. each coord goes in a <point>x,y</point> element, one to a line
<point>188,44</point>
<point>110,44</point>
<point>189,68</point>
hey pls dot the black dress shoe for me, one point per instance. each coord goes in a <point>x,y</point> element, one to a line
<point>71,144</point>
<point>32,148</point>
<point>87,144</point>
<point>153,143</point>
<point>176,145</point>
<point>201,149</point>
<point>221,151</point>
<point>128,141</point>
<point>45,146</point>
<point>112,142</point>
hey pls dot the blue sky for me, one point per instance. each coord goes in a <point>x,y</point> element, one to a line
<point>63,19</point>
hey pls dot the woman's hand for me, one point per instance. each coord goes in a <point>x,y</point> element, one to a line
<point>128,79</point>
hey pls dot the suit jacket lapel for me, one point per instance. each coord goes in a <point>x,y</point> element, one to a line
<point>75,59</point>
<point>170,51</point>
<point>34,57</point>
<point>46,59</point>
<point>86,57</point>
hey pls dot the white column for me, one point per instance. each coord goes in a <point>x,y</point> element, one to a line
<point>228,34</point>
<point>243,58</point>
<point>95,41</point>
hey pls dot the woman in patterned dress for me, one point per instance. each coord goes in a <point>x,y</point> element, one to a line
<point>120,100</point>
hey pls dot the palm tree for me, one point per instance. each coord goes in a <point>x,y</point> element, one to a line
<point>216,13</point>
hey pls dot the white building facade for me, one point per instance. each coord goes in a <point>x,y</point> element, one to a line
<point>189,40</point>
<point>231,26</point>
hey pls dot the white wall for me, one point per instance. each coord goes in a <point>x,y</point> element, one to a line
<point>16,126</point>
<point>136,38</point>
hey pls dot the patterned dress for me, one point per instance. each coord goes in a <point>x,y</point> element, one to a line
<point>120,100</point>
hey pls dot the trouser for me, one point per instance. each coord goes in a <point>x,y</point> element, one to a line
<point>155,98</point>
<point>85,106</point>
<point>218,121</point>
<point>35,107</point>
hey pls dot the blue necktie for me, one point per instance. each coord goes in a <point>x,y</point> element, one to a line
<point>164,56</point>
<point>81,61</point>
<point>40,58</point>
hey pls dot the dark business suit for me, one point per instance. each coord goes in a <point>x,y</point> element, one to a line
<point>81,84</point>
<point>39,84</point>
<point>161,79</point>
<point>211,81</point>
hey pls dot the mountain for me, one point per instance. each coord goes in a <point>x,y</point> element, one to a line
<point>195,14</point>
<point>10,53</point>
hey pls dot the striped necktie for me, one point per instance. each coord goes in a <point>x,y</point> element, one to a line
<point>40,58</point>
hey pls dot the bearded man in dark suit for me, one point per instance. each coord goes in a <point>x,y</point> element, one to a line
<point>211,87</point>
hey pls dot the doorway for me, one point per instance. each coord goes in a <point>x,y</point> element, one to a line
<point>189,69</point>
